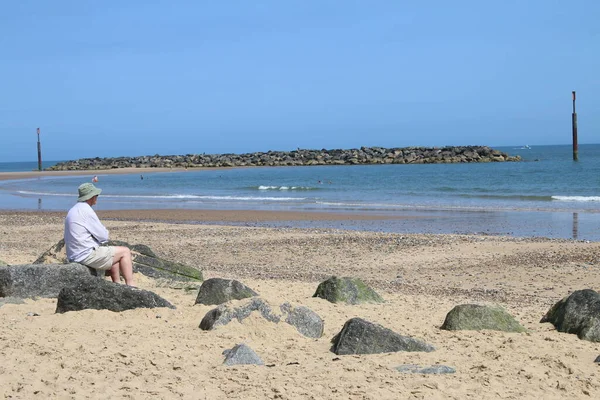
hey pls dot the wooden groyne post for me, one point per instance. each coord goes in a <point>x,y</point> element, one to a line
<point>574,121</point>
<point>39,151</point>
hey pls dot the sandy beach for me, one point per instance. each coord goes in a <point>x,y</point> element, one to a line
<point>434,155</point>
<point>162,353</point>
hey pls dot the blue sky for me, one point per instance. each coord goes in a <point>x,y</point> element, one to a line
<point>128,78</point>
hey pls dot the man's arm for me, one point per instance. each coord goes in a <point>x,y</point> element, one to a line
<point>96,229</point>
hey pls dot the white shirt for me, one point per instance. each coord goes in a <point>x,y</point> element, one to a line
<point>83,232</point>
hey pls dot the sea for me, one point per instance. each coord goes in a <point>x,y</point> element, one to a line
<point>548,194</point>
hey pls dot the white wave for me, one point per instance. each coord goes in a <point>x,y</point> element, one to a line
<point>43,193</point>
<point>197,197</point>
<point>175,197</point>
<point>251,198</point>
<point>265,187</point>
<point>576,198</point>
<point>328,203</point>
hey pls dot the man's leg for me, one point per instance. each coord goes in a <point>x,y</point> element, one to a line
<point>122,262</point>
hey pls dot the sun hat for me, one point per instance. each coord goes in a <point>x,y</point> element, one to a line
<point>87,191</point>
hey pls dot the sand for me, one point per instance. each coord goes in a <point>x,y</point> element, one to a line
<point>162,353</point>
<point>37,174</point>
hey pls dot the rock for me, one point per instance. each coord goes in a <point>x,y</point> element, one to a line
<point>346,290</point>
<point>242,354</point>
<point>144,261</point>
<point>432,369</point>
<point>139,248</point>
<point>98,273</point>
<point>477,317</point>
<point>3,264</point>
<point>597,360</point>
<point>577,313</point>
<point>99,294</point>
<point>364,155</point>
<point>359,336</point>
<point>189,287</point>
<point>11,300</point>
<point>54,255</point>
<point>306,321</point>
<point>26,281</point>
<point>219,291</point>
<point>224,314</point>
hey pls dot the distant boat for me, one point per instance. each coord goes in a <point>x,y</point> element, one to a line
<point>526,147</point>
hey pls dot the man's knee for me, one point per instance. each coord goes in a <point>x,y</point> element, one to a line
<point>122,252</point>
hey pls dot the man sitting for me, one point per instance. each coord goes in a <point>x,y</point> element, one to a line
<point>84,233</point>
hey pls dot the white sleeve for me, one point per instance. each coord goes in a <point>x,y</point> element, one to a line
<point>95,227</point>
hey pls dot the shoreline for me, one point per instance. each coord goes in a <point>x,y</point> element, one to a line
<point>517,224</point>
<point>198,216</point>
<point>559,226</point>
<point>487,222</point>
<point>4,176</point>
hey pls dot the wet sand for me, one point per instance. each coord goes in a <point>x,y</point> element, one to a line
<point>37,174</point>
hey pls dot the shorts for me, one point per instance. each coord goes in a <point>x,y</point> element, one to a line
<point>101,258</point>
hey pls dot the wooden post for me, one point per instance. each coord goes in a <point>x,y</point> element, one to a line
<point>39,151</point>
<point>574,121</point>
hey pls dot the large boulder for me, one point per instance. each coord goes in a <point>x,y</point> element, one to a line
<point>99,294</point>
<point>578,313</point>
<point>306,321</point>
<point>144,261</point>
<point>477,317</point>
<point>347,290</point>
<point>359,336</point>
<point>27,281</point>
<point>219,291</point>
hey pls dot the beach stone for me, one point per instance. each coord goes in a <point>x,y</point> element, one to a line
<point>189,287</point>
<point>99,294</point>
<point>3,264</point>
<point>242,355</point>
<point>432,369</point>
<point>225,313</point>
<point>219,291</point>
<point>27,281</point>
<point>577,313</point>
<point>144,261</point>
<point>306,321</point>
<point>54,255</point>
<point>347,290</point>
<point>597,360</point>
<point>139,248</point>
<point>98,273</point>
<point>477,317</point>
<point>359,336</point>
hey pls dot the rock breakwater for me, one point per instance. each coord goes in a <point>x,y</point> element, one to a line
<point>299,157</point>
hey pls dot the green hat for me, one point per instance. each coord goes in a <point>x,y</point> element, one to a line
<point>87,191</point>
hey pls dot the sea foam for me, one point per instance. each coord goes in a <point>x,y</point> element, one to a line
<point>576,198</point>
